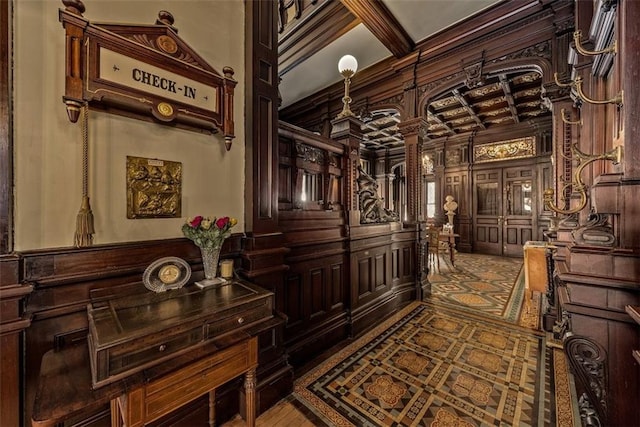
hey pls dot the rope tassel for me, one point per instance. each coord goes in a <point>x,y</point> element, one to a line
<point>84,225</point>
<point>84,221</point>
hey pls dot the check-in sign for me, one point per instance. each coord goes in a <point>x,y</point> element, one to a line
<point>126,71</point>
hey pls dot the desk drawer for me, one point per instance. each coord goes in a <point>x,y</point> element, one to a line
<point>141,352</point>
<point>238,320</point>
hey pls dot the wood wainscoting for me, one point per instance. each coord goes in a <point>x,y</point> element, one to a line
<point>62,280</point>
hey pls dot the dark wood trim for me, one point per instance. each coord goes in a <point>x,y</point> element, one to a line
<point>326,23</point>
<point>377,18</point>
<point>13,323</point>
<point>6,140</point>
<point>261,126</point>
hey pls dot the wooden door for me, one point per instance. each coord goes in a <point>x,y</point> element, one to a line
<point>504,205</point>
<point>519,207</point>
<point>487,208</point>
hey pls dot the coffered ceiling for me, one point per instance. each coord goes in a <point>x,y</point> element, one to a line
<point>374,30</point>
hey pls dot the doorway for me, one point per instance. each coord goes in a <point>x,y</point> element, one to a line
<point>504,206</point>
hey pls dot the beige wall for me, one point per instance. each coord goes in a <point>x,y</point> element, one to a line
<point>48,146</point>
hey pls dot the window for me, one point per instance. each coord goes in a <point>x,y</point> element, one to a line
<point>431,199</point>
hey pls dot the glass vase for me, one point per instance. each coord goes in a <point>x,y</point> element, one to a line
<point>210,262</point>
<point>210,258</point>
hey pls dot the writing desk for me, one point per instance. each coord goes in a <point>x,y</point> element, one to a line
<point>65,387</point>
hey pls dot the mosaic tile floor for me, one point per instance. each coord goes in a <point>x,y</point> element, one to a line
<point>431,365</point>
<point>454,360</point>
<point>485,284</point>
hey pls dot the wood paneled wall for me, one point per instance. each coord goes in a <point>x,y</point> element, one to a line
<point>342,276</point>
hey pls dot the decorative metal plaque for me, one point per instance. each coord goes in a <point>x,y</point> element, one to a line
<point>154,188</point>
<point>505,150</point>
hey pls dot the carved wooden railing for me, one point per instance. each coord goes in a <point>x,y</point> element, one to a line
<point>588,362</point>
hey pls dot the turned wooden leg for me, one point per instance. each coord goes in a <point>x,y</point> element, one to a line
<point>116,415</point>
<point>250,396</point>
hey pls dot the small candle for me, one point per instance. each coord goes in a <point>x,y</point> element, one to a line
<point>226,268</point>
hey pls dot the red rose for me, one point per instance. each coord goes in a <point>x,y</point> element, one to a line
<point>195,222</point>
<point>222,222</point>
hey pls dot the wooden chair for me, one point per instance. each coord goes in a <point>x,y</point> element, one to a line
<point>435,246</point>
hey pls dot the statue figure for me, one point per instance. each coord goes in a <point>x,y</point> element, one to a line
<point>372,208</point>
<point>450,206</point>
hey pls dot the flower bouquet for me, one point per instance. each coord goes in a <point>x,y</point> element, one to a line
<point>209,235</point>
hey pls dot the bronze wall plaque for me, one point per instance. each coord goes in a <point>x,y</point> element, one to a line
<point>154,188</point>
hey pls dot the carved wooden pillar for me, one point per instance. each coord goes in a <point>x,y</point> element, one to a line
<point>264,251</point>
<point>414,131</point>
<point>348,132</point>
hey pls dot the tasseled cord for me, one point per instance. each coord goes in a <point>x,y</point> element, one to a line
<point>84,221</point>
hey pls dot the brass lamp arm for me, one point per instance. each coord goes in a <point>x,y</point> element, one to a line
<point>615,155</point>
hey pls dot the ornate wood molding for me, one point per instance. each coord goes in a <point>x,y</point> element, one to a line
<point>377,18</point>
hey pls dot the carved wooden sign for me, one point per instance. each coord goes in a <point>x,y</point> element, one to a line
<point>144,71</point>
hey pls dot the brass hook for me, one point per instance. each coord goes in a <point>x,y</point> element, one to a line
<point>555,77</point>
<point>577,35</point>
<point>615,155</point>
<point>569,122</point>
<point>616,100</point>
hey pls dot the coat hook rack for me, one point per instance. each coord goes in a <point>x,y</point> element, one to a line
<point>615,100</point>
<point>567,121</point>
<point>577,35</point>
<point>584,160</point>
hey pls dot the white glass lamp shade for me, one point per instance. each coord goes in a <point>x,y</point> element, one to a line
<point>347,65</point>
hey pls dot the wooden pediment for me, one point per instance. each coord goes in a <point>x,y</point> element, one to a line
<point>144,71</point>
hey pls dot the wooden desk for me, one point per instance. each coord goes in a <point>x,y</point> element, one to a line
<point>65,383</point>
<point>450,238</point>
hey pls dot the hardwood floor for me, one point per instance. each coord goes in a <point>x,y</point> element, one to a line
<point>283,414</point>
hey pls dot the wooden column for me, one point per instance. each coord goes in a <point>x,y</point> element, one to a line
<point>261,189</point>
<point>414,131</point>
<point>348,132</point>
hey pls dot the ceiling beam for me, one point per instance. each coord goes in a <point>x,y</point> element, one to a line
<point>462,100</point>
<point>384,26</point>
<point>506,88</point>
<point>307,35</point>
<point>432,115</point>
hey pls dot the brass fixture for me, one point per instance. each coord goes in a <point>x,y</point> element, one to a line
<point>555,77</point>
<point>577,84</point>
<point>577,35</point>
<point>347,66</point>
<point>615,100</point>
<point>569,122</point>
<point>615,155</point>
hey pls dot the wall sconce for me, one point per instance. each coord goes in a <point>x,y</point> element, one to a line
<point>427,165</point>
<point>347,66</point>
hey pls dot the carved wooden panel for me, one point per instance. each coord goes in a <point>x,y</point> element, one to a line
<point>144,71</point>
